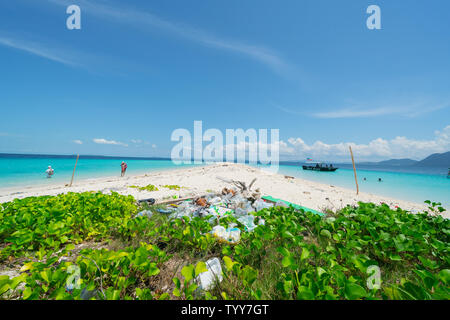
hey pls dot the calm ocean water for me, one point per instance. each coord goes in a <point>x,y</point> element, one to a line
<point>26,171</point>
<point>413,184</point>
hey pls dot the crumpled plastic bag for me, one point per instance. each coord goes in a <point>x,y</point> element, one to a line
<point>260,204</point>
<point>206,280</point>
<point>230,235</point>
<point>248,222</point>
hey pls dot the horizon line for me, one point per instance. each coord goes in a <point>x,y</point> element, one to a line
<point>42,155</point>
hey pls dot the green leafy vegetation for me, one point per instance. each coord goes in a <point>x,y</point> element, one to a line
<point>49,223</point>
<point>149,187</point>
<point>364,252</point>
<point>303,256</point>
<point>173,187</point>
<point>123,275</point>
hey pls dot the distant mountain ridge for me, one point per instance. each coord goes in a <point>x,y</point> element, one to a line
<point>434,160</point>
<point>395,162</point>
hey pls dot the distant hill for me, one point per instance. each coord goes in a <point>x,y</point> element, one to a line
<point>392,162</point>
<point>399,162</point>
<point>435,160</point>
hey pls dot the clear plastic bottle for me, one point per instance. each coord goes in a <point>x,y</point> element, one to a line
<point>207,279</point>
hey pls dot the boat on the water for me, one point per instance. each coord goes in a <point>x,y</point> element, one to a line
<point>320,167</point>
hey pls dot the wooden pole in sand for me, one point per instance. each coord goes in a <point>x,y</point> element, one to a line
<point>354,170</point>
<point>74,170</point>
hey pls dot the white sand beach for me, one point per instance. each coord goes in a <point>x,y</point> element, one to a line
<point>200,180</point>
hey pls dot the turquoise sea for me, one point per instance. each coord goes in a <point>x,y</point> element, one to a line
<point>29,171</point>
<point>413,184</point>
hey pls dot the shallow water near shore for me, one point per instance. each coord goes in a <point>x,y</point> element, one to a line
<point>416,187</point>
<point>27,172</point>
<point>425,184</point>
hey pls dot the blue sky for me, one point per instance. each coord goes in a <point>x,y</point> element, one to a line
<point>137,70</point>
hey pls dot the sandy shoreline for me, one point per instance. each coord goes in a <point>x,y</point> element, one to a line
<point>199,180</point>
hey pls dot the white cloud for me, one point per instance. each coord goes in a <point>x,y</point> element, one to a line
<point>354,113</point>
<point>154,146</point>
<point>38,50</point>
<point>408,110</point>
<point>149,21</point>
<point>405,109</point>
<point>136,141</point>
<point>77,141</point>
<point>399,147</point>
<point>376,149</point>
<point>112,142</point>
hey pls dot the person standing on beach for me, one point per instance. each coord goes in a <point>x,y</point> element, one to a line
<point>49,172</point>
<point>124,168</point>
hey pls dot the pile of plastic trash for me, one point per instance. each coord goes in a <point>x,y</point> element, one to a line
<point>217,206</point>
<point>230,203</point>
<point>239,204</point>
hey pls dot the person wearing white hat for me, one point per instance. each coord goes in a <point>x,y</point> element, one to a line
<point>49,172</point>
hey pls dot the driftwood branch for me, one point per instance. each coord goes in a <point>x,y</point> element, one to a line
<point>251,183</point>
<point>242,186</point>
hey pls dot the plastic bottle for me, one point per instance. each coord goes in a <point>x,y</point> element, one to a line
<point>219,232</point>
<point>207,279</point>
<point>234,235</point>
<point>239,212</point>
<point>215,200</point>
<point>146,213</point>
<point>260,204</point>
<point>230,235</point>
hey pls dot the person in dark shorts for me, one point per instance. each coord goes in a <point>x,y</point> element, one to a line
<point>124,168</point>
